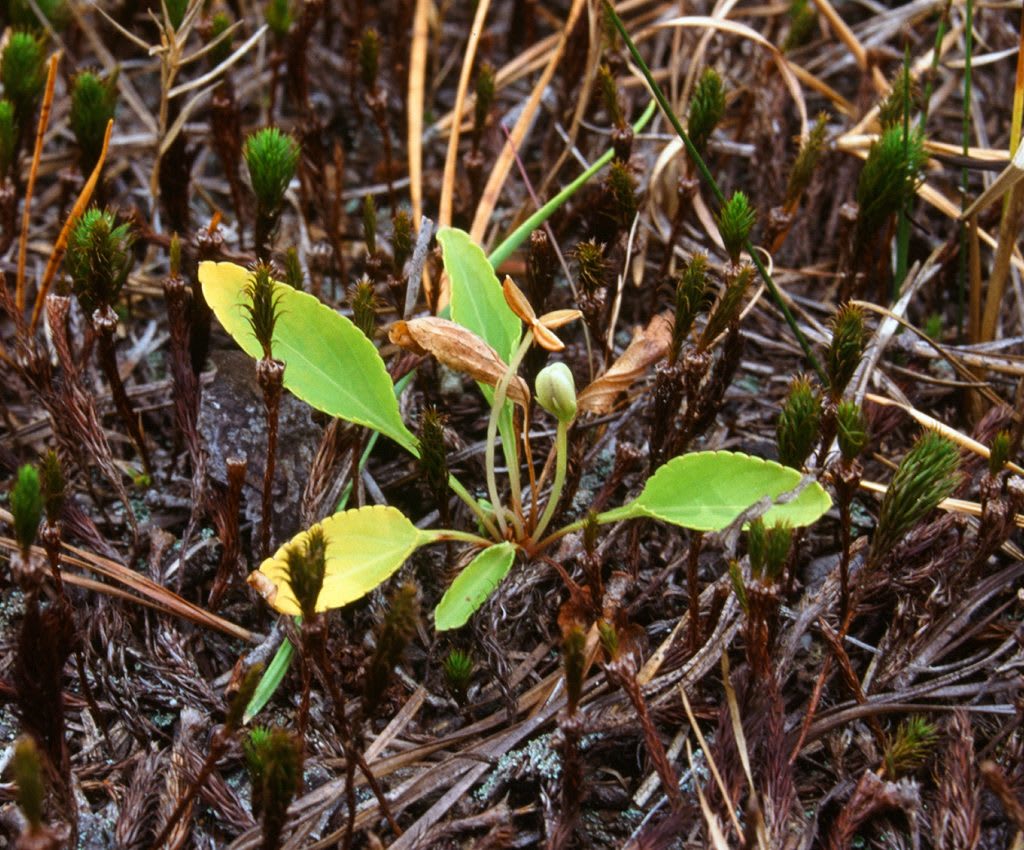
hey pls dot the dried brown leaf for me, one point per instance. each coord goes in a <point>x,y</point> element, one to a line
<point>459,349</point>
<point>648,346</point>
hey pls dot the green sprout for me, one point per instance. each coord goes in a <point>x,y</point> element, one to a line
<point>797,430</point>
<point>999,452</point>
<point>458,671</point>
<point>889,179</point>
<point>370,224</point>
<point>910,747</point>
<point>274,759</point>
<point>364,307</point>
<point>220,23</point>
<point>278,15</point>
<point>8,138</point>
<point>485,90</point>
<point>26,507</point>
<point>92,106</point>
<point>609,91</point>
<point>726,311</point>
<point>307,564</point>
<point>99,258</point>
<point>707,106</point>
<point>392,637</point>
<point>23,16</point>
<point>621,186</point>
<point>176,10</point>
<point>433,461</point>
<point>28,780</point>
<point>293,274</point>
<point>735,221</point>
<point>811,151</point>
<point>263,307</point>
<point>802,19</point>
<point>904,97</point>
<point>23,73</point>
<point>691,293</point>
<point>271,157</point>
<point>369,58</point>
<point>401,239</point>
<point>849,339</point>
<point>768,548</point>
<point>591,267</point>
<point>927,475</point>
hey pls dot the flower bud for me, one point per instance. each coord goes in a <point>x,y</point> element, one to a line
<point>556,392</point>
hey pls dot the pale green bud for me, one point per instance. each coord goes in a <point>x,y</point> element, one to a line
<point>556,392</point>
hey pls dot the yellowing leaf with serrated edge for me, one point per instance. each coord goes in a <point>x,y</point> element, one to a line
<point>365,547</point>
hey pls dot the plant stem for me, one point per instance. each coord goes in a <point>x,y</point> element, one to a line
<point>443,534</point>
<point>961,286</point>
<point>903,214</point>
<point>497,403</point>
<point>353,757</point>
<point>270,375</point>
<point>692,588</point>
<point>105,322</point>
<point>561,464</point>
<point>459,490</point>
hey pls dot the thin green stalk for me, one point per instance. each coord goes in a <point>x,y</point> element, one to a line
<point>903,216</point>
<point>705,174</point>
<point>561,464</point>
<point>459,490</point>
<point>500,394</point>
<point>961,276</point>
<point>444,534</point>
<point>521,233</point>
<point>940,34</point>
<point>614,515</point>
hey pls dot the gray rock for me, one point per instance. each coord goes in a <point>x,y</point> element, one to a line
<point>233,423</point>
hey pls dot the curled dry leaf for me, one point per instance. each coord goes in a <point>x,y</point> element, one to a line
<point>648,346</point>
<point>459,349</point>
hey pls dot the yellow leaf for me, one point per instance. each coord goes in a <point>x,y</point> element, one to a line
<point>365,547</point>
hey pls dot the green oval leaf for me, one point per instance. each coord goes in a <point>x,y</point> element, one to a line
<point>473,585</point>
<point>329,362</point>
<point>477,301</point>
<point>365,546</point>
<point>707,491</point>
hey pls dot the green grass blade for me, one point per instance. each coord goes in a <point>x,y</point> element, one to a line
<point>521,233</point>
